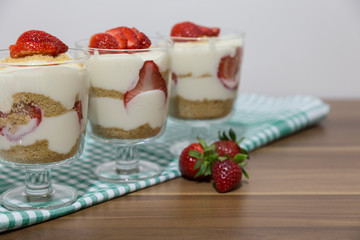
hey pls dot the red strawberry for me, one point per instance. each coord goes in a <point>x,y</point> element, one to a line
<point>226,175</point>
<point>229,70</point>
<point>174,78</point>
<point>20,109</point>
<point>118,34</point>
<point>150,78</point>
<point>103,41</point>
<point>210,32</point>
<point>195,160</point>
<point>37,42</point>
<point>78,108</point>
<point>186,29</point>
<point>187,163</point>
<point>229,145</point>
<point>132,42</point>
<point>143,39</point>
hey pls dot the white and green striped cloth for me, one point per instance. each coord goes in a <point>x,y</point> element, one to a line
<point>259,119</point>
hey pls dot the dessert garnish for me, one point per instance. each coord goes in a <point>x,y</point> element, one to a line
<point>37,42</point>
<point>223,161</point>
<point>120,38</point>
<point>150,78</point>
<point>229,68</point>
<point>192,30</point>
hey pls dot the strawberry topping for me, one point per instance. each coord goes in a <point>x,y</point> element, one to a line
<point>150,78</point>
<point>121,38</point>
<point>192,30</point>
<point>37,42</point>
<point>103,41</point>
<point>144,41</point>
<point>118,34</point>
<point>229,70</point>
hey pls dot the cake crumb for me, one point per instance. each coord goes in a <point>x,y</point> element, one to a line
<point>38,57</point>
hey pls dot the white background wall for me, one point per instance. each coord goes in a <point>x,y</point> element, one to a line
<point>292,46</point>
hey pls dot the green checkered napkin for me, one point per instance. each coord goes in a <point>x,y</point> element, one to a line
<point>259,119</point>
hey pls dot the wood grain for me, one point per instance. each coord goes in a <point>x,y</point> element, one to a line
<point>306,186</point>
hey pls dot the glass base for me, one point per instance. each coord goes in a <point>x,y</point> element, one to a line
<point>109,173</point>
<point>16,199</point>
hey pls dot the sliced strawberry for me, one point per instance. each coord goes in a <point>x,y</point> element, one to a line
<point>144,41</point>
<point>118,34</point>
<point>229,68</point>
<point>132,40</point>
<point>32,111</point>
<point>210,32</point>
<point>37,42</point>
<point>150,78</point>
<point>174,78</point>
<point>186,29</point>
<point>78,108</point>
<point>103,41</point>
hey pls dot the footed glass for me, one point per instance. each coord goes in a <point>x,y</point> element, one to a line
<point>43,110</point>
<point>206,79</point>
<point>129,100</point>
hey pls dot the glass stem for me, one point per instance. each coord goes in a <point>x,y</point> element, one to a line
<point>127,159</point>
<point>38,183</point>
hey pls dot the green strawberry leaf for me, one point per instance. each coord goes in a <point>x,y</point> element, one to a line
<point>195,154</point>
<point>198,164</point>
<point>243,164</point>
<point>245,173</point>
<point>240,140</point>
<point>232,135</point>
<point>202,170</point>
<point>202,143</point>
<point>239,158</point>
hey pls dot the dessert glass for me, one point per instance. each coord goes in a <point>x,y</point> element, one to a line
<point>126,124</point>
<point>43,109</point>
<point>202,92</point>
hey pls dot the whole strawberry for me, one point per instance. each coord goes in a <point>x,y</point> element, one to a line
<point>227,172</point>
<point>196,159</point>
<point>228,145</point>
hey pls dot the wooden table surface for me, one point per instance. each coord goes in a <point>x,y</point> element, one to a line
<point>306,186</point>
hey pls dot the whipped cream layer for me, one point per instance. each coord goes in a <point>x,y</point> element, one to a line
<point>147,107</point>
<point>196,65</point>
<point>64,83</point>
<point>61,132</point>
<point>120,72</point>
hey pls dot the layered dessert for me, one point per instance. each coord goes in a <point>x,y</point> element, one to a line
<point>130,79</point>
<point>206,71</point>
<point>43,100</point>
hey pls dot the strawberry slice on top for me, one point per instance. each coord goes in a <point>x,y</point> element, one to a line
<point>150,78</point>
<point>103,41</point>
<point>37,42</point>
<point>191,30</point>
<point>129,38</point>
<point>229,70</point>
